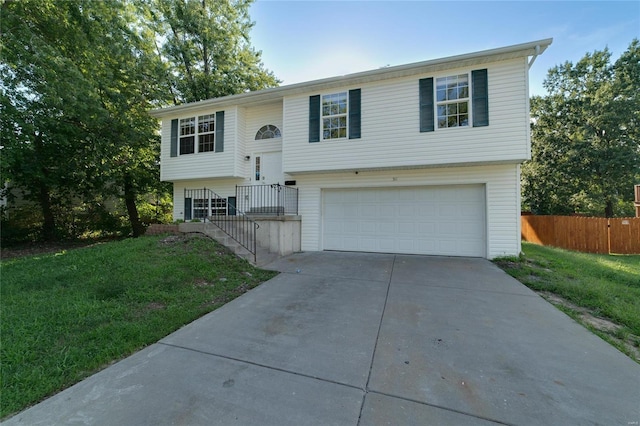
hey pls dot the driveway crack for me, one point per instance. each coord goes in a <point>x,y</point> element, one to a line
<point>375,346</point>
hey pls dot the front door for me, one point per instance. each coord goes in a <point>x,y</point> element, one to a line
<point>264,197</point>
<point>267,168</point>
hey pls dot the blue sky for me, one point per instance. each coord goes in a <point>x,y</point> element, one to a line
<point>308,40</point>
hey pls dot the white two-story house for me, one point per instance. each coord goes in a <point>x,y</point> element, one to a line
<point>421,158</point>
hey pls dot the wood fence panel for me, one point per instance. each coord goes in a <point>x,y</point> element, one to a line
<point>625,235</point>
<point>587,234</point>
<point>538,229</point>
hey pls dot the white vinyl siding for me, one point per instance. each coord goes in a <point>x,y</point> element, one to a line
<point>500,181</point>
<point>390,127</point>
<point>204,164</point>
<point>258,116</point>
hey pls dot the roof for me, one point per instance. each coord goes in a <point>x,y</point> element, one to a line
<point>532,48</point>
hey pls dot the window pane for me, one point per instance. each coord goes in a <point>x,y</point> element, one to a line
<point>343,132</point>
<point>187,126</point>
<point>442,110</point>
<point>452,109</point>
<point>442,122</point>
<point>463,92</point>
<point>206,123</point>
<point>205,142</point>
<point>462,108</point>
<point>187,145</point>
<point>452,121</point>
<point>464,120</point>
<point>441,95</point>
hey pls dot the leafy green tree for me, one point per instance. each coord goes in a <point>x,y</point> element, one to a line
<point>45,103</point>
<point>206,48</point>
<point>585,137</point>
<point>78,77</point>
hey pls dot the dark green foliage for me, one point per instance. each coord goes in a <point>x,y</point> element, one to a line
<point>586,138</point>
<point>206,49</point>
<point>77,79</point>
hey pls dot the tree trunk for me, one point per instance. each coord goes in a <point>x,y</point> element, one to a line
<point>49,224</point>
<point>130,200</point>
<point>608,209</point>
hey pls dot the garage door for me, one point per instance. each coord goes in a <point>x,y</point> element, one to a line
<point>438,220</point>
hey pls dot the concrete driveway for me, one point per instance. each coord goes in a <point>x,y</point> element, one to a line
<point>366,339</point>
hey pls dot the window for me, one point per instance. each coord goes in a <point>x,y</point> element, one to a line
<point>197,134</point>
<point>218,207</point>
<point>206,132</point>
<point>268,132</point>
<point>187,135</point>
<point>334,116</point>
<point>200,208</point>
<point>452,98</point>
<point>205,207</point>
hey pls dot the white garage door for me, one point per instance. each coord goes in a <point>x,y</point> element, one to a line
<point>438,220</point>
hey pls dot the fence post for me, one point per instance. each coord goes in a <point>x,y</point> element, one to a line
<point>608,236</point>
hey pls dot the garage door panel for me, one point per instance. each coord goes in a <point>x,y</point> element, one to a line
<point>446,220</point>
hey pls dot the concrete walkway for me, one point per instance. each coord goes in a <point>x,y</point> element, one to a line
<point>366,339</point>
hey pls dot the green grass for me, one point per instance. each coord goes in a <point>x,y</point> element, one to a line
<point>66,315</point>
<point>608,286</point>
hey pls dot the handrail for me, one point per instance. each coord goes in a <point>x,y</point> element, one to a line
<point>209,206</point>
<point>273,199</point>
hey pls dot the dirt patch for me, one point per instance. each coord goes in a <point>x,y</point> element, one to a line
<point>33,249</point>
<point>601,324</point>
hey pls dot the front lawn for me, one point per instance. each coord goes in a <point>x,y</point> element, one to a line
<point>600,291</point>
<point>66,315</point>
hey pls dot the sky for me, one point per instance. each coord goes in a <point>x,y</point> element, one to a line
<point>308,40</point>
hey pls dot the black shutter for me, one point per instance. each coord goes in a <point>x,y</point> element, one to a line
<point>174,138</point>
<point>354,114</point>
<point>425,87</point>
<point>480,101</point>
<point>187,209</point>
<point>219,138</point>
<point>314,118</point>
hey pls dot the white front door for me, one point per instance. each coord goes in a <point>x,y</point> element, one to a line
<point>267,168</point>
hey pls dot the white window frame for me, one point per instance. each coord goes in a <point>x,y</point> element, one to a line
<point>338,115</point>
<point>439,102</point>
<point>185,124</point>
<point>198,121</point>
<point>206,126</point>
<point>206,207</point>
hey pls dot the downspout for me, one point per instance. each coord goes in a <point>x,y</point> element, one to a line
<point>535,55</point>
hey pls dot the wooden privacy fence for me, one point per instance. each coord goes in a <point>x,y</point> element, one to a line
<point>587,234</point>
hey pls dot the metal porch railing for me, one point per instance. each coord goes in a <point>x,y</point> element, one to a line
<point>272,200</point>
<point>207,206</point>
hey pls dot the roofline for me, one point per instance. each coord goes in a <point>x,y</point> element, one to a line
<point>532,48</point>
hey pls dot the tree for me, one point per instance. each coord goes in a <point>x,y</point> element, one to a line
<point>586,137</point>
<point>77,79</point>
<point>46,102</point>
<point>206,49</point>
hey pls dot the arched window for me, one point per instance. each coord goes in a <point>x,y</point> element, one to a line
<point>268,132</point>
